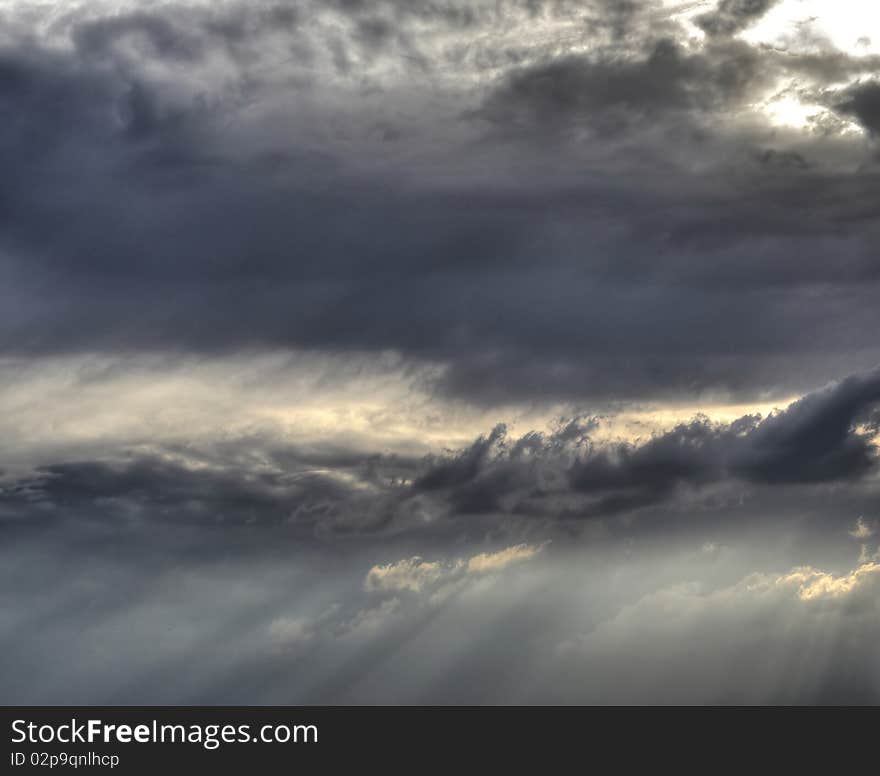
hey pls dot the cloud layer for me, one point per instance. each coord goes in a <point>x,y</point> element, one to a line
<point>593,201</point>
<point>825,439</point>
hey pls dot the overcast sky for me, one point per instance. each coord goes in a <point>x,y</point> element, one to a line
<point>439,351</point>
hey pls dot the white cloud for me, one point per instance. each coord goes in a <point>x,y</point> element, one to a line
<point>487,562</point>
<point>416,574</point>
<point>412,574</point>
<point>813,584</point>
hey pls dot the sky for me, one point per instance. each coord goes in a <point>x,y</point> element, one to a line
<point>439,351</point>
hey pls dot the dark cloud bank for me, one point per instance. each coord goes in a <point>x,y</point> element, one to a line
<point>613,223</point>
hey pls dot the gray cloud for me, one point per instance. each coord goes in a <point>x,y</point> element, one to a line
<point>607,94</point>
<point>220,195</point>
<point>319,495</point>
<point>824,438</point>
<point>862,102</point>
<point>731,16</point>
<point>814,440</point>
<point>99,37</point>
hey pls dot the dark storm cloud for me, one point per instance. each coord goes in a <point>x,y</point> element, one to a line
<point>157,485</point>
<point>182,33</point>
<point>316,494</point>
<point>164,489</point>
<point>609,93</point>
<point>98,38</point>
<point>140,210</point>
<point>731,16</point>
<point>781,160</point>
<point>463,467</point>
<point>813,441</point>
<point>862,102</point>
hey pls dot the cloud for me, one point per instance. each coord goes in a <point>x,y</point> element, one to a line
<point>525,209</point>
<point>500,481</point>
<point>862,102</point>
<point>290,633</point>
<point>862,530</point>
<point>628,617</point>
<point>412,574</point>
<point>742,642</point>
<point>168,137</point>
<point>371,620</point>
<point>732,16</point>
<point>100,37</point>
<point>336,497</point>
<point>416,574</point>
<point>463,467</point>
<point>611,94</point>
<point>815,585</point>
<point>487,562</point>
<point>267,269</point>
<point>815,440</point>
<point>765,639</point>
